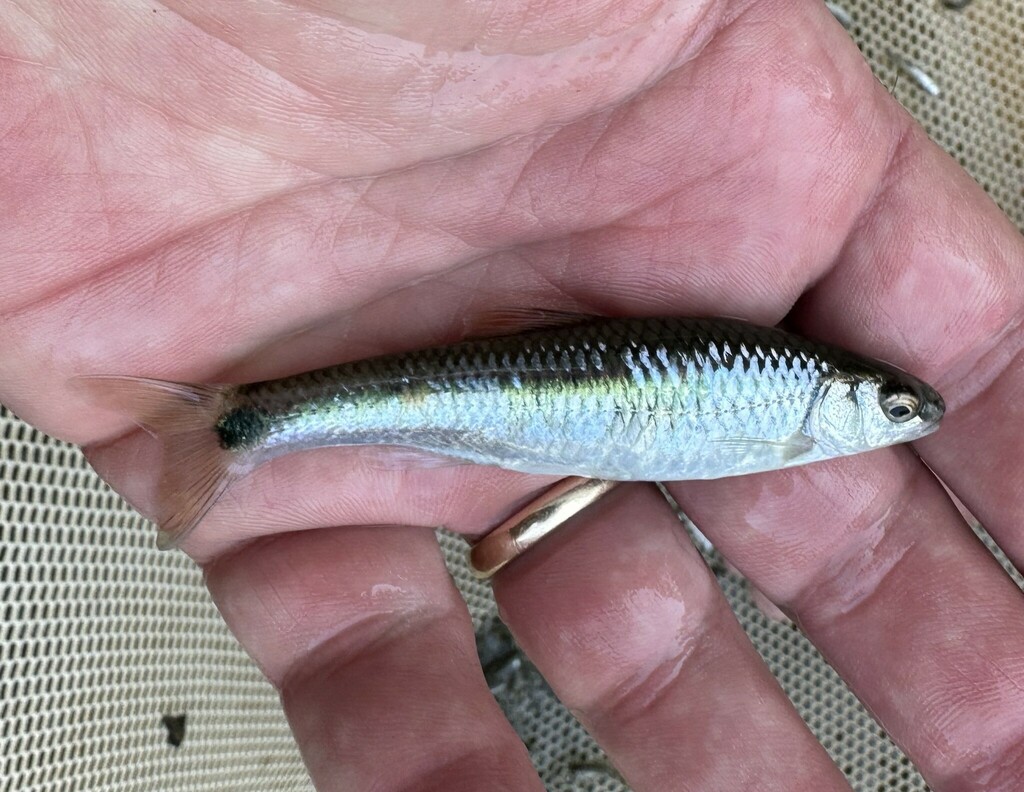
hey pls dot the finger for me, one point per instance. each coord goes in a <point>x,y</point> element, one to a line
<point>372,649</point>
<point>620,614</point>
<point>933,281</point>
<point>875,563</point>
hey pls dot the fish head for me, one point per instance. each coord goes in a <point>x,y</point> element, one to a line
<point>872,406</point>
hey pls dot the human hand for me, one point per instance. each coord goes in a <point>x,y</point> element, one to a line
<point>249,190</point>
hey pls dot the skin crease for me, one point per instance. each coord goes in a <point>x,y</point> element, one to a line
<point>196,200</point>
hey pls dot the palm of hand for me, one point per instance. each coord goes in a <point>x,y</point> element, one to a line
<point>200,194</point>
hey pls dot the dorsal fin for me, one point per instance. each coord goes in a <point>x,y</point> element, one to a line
<point>509,321</point>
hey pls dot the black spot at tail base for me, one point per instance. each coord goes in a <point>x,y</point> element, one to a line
<point>242,427</point>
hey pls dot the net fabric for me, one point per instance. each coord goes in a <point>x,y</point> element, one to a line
<point>102,636</point>
<point>974,57</point>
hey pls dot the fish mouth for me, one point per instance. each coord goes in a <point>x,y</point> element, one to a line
<point>933,407</point>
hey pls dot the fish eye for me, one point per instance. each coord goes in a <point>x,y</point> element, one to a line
<point>899,405</point>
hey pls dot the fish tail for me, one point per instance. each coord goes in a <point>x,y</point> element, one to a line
<point>195,467</point>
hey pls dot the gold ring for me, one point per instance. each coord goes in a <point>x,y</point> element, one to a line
<point>533,522</point>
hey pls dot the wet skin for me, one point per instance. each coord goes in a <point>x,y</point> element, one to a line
<point>203,194</point>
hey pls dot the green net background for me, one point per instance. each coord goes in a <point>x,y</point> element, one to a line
<point>102,636</point>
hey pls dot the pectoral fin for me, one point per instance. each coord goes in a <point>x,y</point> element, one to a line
<point>788,449</point>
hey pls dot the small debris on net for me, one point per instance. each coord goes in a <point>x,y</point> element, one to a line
<point>920,77</point>
<point>175,725</point>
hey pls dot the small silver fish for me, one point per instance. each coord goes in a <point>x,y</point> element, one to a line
<point>621,399</point>
<point>916,73</point>
<point>843,17</point>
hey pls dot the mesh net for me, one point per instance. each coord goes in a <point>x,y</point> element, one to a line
<point>104,637</point>
<point>112,652</point>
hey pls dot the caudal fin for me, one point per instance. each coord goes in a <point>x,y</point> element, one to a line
<point>195,468</point>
